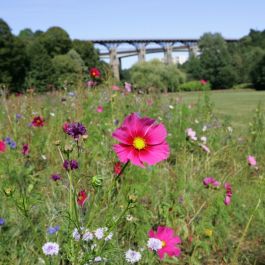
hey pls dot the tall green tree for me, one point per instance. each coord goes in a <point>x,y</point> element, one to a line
<point>56,41</point>
<point>215,61</point>
<point>13,60</point>
<point>87,52</point>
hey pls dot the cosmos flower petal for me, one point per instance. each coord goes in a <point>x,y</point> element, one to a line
<point>122,151</point>
<point>134,158</point>
<point>122,135</point>
<point>156,134</point>
<point>155,153</point>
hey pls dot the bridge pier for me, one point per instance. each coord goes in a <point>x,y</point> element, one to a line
<point>193,50</point>
<point>141,54</point>
<point>168,58</point>
<point>115,63</point>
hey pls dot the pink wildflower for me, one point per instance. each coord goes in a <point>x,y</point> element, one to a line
<point>2,147</point>
<point>211,181</point>
<point>228,195</point>
<point>191,134</point>
<point>203,82</point>
<point>168,240</point>
<point>141,140</point>
<point>38,121</point>
<point>115,88</point>
<point>128,87</point>
<point>91,83</point>
<point>252,161</point>
<point>25,149</point>
<point>99,109</point>
<point>205,148</point>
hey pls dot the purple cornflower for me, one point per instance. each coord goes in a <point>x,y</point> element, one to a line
<point>18,116</point>
<point>52,230</point>
<point>76,130</point>
<point>55,177</point>
<point>70,164</point>
<point>2,221</point>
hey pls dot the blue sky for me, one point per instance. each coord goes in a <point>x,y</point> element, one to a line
<point>97,19</point>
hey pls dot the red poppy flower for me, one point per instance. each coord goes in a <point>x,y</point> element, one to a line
<point>94,72</point>
<point>82,197</point>
<point>38,121</point>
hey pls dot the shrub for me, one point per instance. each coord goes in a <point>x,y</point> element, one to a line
<point>194,86</point>
<point>156,76</point>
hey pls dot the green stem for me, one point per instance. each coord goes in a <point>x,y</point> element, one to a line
<point>235,256</point>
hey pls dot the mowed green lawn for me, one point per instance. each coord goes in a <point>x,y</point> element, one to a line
<point>239,105</point>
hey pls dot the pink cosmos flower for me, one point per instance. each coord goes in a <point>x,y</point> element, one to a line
<point>252,161</point>
<point>2,147</point>
<point>191,134</point>
<point>142,140</point>
<point>203,82</point>
<point>169,241</point>
<point>91,83</point>
<point>128,87</point>
<point>99,109</point>
<point>205,148</point>
<point>228,195</point>
<point>211,181</point>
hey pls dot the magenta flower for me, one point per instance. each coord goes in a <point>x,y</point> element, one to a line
<point>142,140</point>
<point>25,149</point>
<point>252,161</point>
<point>168,241</point>
<point>228,195</point>
<point>211,181</point>
<point>99,109</point>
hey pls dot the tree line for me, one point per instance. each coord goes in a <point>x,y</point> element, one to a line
<point>226,65</point>
<point>43,60</point>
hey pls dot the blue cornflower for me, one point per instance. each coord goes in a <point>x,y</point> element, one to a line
<point>2,221</point>
<point>52,230</point>
<point>11,143</point>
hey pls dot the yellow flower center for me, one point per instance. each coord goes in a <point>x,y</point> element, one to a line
<point>139,143</point>
<point>163,243</point>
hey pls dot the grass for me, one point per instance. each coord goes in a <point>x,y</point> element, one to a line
<point>170,193</point>
<point>238,105</point>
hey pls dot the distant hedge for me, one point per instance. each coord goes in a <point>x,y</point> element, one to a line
<point>194,86</point>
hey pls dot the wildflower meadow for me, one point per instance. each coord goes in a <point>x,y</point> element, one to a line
<point>105,175</point>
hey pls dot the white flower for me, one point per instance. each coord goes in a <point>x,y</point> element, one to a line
<point>171,107</point>
<point>154,244</point>
<point>109,237</point>
<point>76,234</point>
<point>99,233</point>
<point>229,129</point>
<point>129,218</point>
<point>204,139</point>
<point>50,249</point>
<point>52,114</point>
<point>87,235</point>
<point>196,121</point>
<point>43,157</point>
<point>204,128</point>
<point>98,259</point>
<point>132,256</point>
<point>93,246</point>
